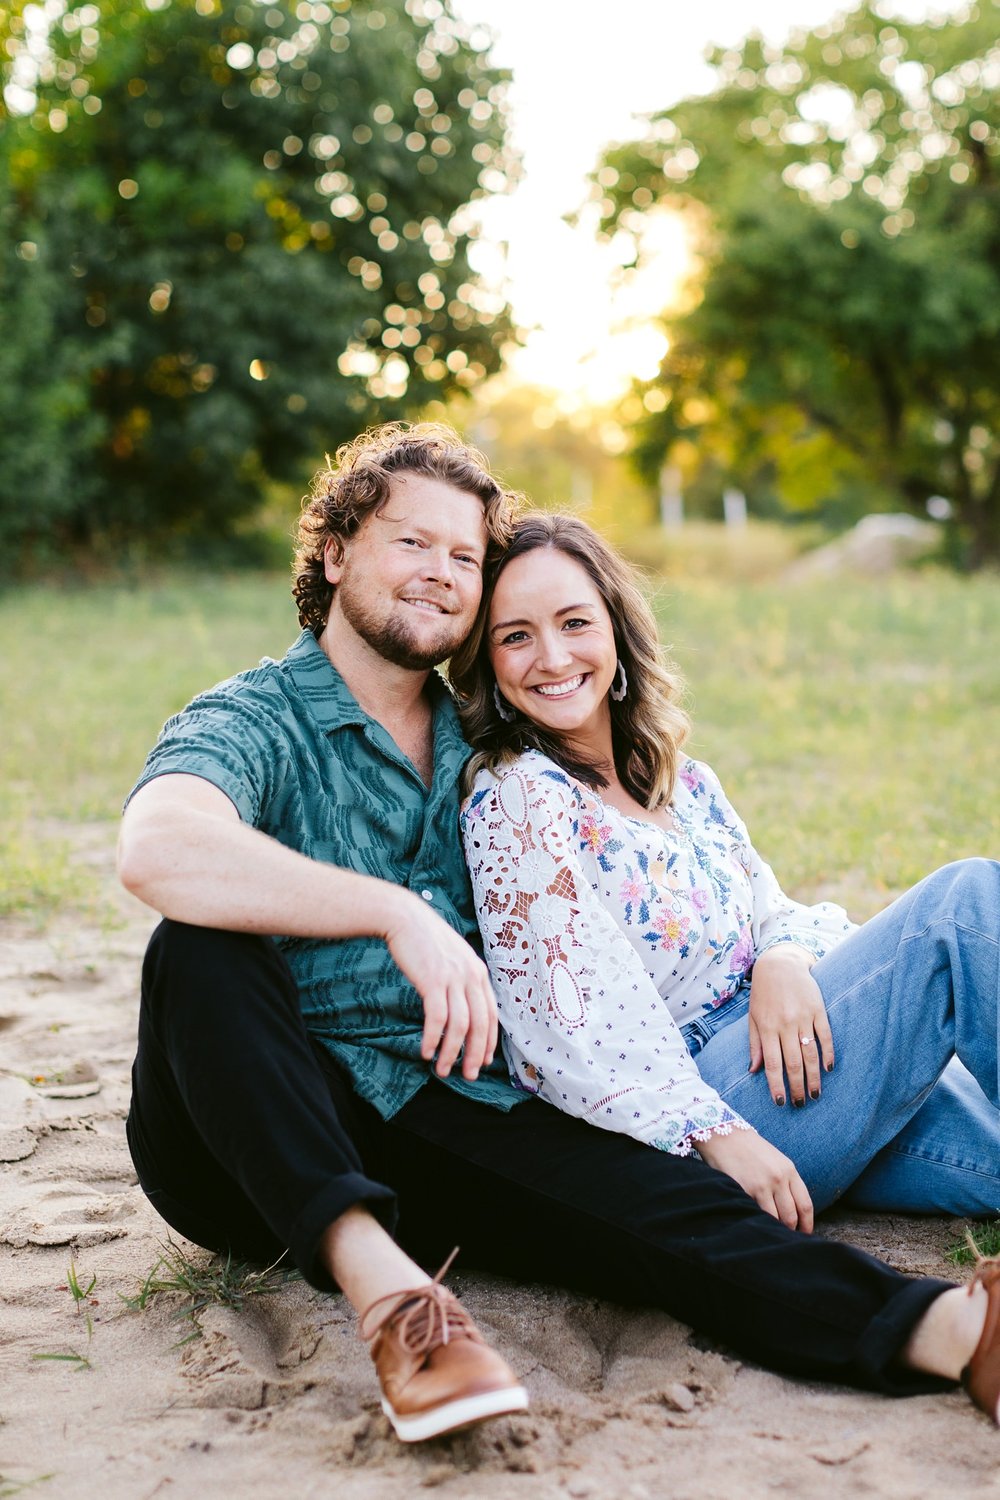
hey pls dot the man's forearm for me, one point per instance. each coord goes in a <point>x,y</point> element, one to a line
<point>196,867</point>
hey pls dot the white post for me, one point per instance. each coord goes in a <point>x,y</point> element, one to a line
<point>734,508</point>
<point>671,498</point>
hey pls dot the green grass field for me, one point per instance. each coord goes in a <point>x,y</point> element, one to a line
<point>855,724</point>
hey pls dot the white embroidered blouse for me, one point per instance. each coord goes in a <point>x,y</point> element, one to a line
<point>604,934</point>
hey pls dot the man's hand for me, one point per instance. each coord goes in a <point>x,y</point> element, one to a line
<point>453,983</point>
<point>789,1030</point>
<point>185,852</point>
<point>764,1173</point>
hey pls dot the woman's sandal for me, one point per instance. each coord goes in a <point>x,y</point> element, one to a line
<point>981,1376</point>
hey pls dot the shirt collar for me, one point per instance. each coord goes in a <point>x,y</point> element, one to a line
<point>334,706</point>
<point>323,690</point>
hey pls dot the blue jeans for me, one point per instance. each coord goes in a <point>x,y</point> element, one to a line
<point>908,1120</point>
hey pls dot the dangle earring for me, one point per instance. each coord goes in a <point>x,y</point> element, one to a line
<point>618,692</point>
<point>504,710</point>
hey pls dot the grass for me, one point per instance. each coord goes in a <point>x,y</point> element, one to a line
<point>79,1361</point>
<point>707,552</point>
<point>854,723</point>
<point>100,669</point>
<point>979,1242</point>
<point>206,1281</point>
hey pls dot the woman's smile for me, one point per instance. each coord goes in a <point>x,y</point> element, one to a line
<point>560,689</point>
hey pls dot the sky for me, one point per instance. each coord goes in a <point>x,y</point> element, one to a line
<point>582,71</point>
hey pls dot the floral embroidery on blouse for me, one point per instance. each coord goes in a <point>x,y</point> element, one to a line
<point>597,838</point>
<point>605,934</point>
<point>671,931</point>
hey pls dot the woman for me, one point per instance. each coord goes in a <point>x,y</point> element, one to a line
<point>631,928</point>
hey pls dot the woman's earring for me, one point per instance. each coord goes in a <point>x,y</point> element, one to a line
<point>506,713</point>
<point>618,691</point>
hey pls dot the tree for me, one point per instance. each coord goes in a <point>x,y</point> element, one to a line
<point>248,230</point>
<point>843,328</point>
<point>44,378</point>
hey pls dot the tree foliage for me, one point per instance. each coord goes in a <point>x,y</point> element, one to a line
<point>234,233</point>
<point>842,332</point>
<point>560,459</point>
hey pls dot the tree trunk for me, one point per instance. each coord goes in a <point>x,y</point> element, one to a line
<point>982,519</point>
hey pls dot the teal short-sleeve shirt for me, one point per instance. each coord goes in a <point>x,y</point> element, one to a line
<point>289,745</point>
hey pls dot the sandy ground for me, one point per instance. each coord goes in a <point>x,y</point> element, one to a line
<point>278,1400</point>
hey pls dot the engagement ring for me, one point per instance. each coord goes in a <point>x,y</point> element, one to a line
<point>806,1041</point>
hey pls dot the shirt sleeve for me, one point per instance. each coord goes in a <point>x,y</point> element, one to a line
<point>226,739</point>
<point>584,1025</point>
<point>776,918</point>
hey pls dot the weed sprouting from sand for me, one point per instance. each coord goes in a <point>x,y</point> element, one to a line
<point>79,1361</point>
<point>9,1487</point>
<point>219,1280</point>
<point>983,1240</point>
<point>76,1291</point>
<point>81,1294</point>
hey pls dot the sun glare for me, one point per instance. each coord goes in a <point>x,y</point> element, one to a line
<point>581,74</point>
<point>597,331</point>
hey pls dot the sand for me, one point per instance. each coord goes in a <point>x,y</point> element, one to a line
<point>278,1399</point>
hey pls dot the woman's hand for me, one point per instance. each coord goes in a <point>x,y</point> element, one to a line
<point>789,1030</point>
<point>764,1173</point>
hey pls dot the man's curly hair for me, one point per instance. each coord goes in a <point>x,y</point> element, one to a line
<point>355,485</point>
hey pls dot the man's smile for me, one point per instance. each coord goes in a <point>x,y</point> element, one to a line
<point>428,604</point>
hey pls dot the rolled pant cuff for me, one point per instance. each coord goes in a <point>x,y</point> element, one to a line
<point>888,1334</point>
<point>350,1190</point>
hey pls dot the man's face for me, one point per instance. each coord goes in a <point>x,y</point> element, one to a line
<point>411,580</point>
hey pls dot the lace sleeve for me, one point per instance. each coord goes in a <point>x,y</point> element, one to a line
<point>584,1025</point>
<point>776,917</point>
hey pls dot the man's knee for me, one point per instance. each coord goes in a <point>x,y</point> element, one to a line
<point>184,961</point>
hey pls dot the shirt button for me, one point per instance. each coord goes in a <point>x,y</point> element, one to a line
<point>427,895</point>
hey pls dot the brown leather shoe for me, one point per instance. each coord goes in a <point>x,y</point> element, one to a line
<point>981,1376</point>
<point>436,1370</point>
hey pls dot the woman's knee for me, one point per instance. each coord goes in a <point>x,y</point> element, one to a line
<point>969,889</point>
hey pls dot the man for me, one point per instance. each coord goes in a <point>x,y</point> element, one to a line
<point>315,1091</point>
<point>393,547</point>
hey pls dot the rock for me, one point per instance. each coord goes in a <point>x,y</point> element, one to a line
<point>16,1142</point>
<point>678,1397</point>
<point>77,1081</point>
<point>875,546</point>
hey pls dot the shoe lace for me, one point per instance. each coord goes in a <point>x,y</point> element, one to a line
<point>423,1319</point>
<point>987,1267</point>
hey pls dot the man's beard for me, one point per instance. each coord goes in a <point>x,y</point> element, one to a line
<point>392,638</point>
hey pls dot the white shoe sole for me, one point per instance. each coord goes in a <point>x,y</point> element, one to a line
<point>455,1414</point>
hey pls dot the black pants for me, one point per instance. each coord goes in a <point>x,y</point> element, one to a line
<point>246,1136</point>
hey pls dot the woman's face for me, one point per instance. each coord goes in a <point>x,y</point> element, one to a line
<point>552,646</point>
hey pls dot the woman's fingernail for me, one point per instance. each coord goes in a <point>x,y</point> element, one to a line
<point>814,1093</point>
<point>780,1099</point>
<point>829,1067</point>
<point>798,1103</point>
